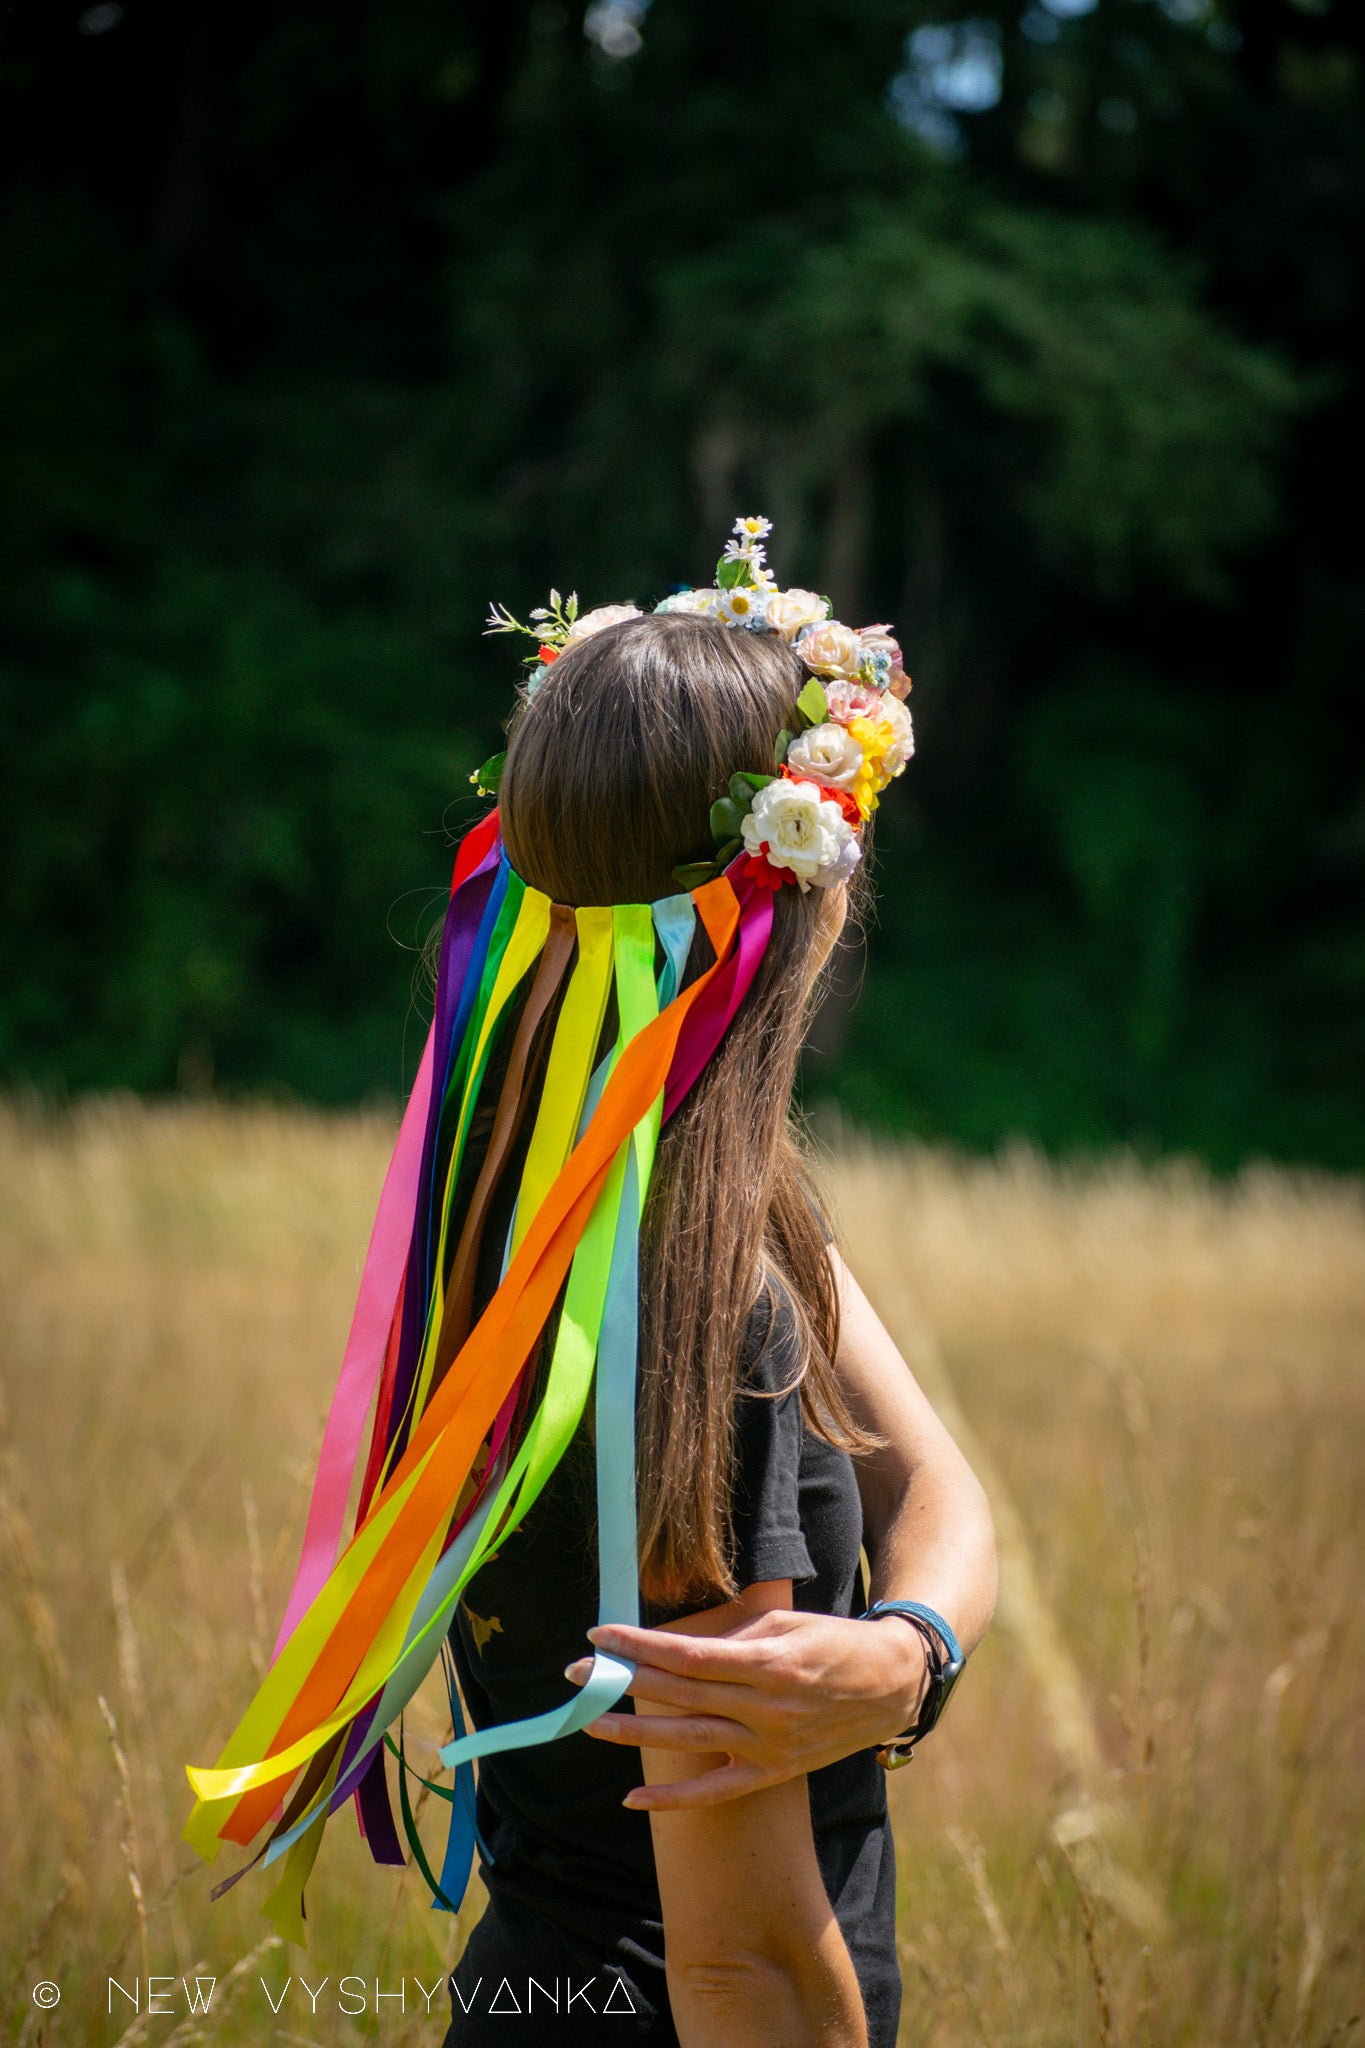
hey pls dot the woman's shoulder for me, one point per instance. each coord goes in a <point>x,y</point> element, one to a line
<point>770,1358</point>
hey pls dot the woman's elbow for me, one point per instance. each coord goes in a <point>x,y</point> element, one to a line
<point>975,1526</point>
<point>806,1997</point>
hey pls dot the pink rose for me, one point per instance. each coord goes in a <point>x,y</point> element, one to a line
<point>881,640</point>
<point>852,700</point>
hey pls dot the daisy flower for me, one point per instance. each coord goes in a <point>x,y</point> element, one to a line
<point>742,607</point>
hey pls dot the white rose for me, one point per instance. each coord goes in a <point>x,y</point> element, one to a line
<point>799,828</point>
<point>847,861</point>
<point>902,747</point>
<point>828,754</point>
<point>698,603</point>
<point>594,622</point>
<point>831,649</point>
<point>789,611</point>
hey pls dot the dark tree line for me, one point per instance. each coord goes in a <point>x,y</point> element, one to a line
<point>1038,333</point>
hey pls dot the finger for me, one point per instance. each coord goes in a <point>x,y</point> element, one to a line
<point>722,1657</point>
<point>670,1690</point>
<point>670,1731</point>
<point>694,1695</point>
<point>712,1788</point>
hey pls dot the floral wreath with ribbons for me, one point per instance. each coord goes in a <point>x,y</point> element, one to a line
<point>587,1027</point>
<point>849,735</point>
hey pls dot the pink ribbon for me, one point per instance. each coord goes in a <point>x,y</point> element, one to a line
<point>365,1347</point>
<point>380,1283</point>
<point>713,1013</point>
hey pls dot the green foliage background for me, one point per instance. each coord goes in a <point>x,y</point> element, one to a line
<point>320,327</point>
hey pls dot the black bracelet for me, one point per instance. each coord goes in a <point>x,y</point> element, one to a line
<point>945,1659</point>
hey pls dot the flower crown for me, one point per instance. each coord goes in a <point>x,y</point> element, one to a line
<point>848,736</point>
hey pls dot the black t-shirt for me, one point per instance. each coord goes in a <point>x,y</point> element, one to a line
<point>573,1935</point>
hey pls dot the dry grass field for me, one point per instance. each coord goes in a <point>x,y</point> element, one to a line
<point>1141,1822</point>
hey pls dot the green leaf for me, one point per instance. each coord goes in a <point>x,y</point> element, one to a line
<point>694,872</point>
<point>725,854</point>
<point>727,819</point>
<point>784,740</point>
<point>813,703</point>
<point>744,786</point>
<point>732,573</point>
<point>487,778</point>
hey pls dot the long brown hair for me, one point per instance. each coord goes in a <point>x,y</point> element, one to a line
<point>611,771</point>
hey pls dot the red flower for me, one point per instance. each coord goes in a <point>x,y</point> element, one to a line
<point>762,873</point>
<point>548,654</point>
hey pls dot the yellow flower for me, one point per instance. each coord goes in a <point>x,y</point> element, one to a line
<point>881,745</point>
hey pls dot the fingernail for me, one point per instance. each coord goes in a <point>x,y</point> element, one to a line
<point>576,1671</point>
<point>636,1800</point>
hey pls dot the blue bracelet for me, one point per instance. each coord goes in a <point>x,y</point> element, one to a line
<point>945,1661</point>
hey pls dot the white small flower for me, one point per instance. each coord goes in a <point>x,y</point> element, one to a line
<point>753,527</point>
<point>743,607</point>
<point>595,622</point>
<point>827,754</point>
<point>797,827</point>
<point>742,551</point>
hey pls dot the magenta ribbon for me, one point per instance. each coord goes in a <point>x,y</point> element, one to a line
<point>711,1015</point>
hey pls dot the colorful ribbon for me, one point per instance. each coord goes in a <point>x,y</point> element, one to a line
<point>362,1628</point>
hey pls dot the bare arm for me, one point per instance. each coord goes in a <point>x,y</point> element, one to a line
<point>755,1957</point>
<point>789,1692</point>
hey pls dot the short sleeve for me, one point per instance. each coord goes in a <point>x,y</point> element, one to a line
<point>768,1539</point>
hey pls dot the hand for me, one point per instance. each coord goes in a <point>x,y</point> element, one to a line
<point>782,1694</point>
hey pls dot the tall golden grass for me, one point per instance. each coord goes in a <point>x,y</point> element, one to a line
<point>1140,1823</point>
